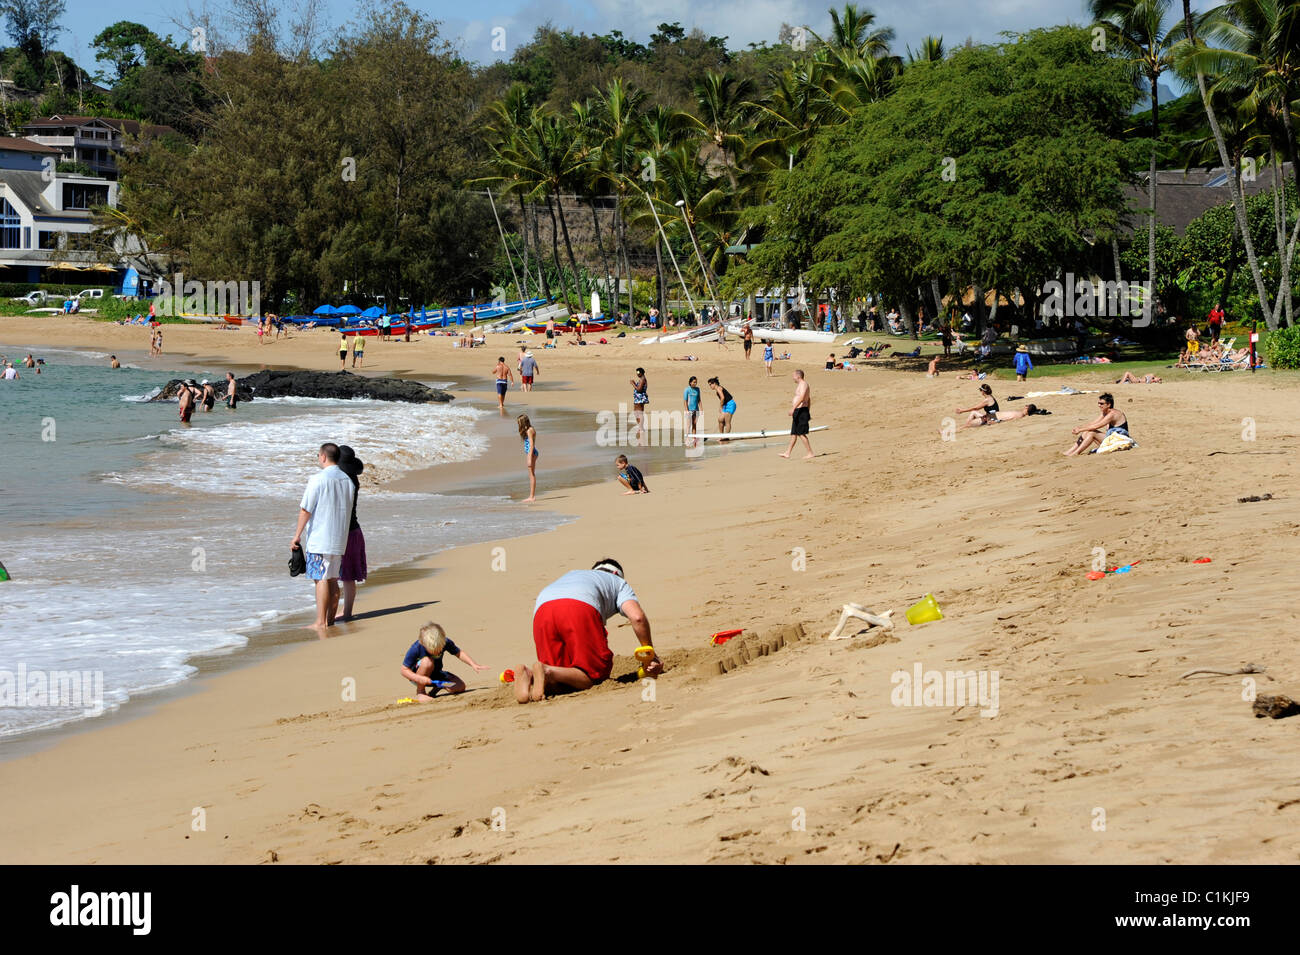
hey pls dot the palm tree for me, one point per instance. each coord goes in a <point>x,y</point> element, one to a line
<point>1257,59</point>
<point>1137,33</point>
<point>723,112</point>
<point>851,36</point>
<point>930,51</point>
<point>510,114</point>
<point>618,131</point>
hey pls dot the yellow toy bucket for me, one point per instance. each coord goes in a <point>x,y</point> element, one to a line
<point>924,610</point>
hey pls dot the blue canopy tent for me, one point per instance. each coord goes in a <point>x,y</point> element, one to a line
<point>374,311</point>
<point>325,310</point>
<point>347,310</point>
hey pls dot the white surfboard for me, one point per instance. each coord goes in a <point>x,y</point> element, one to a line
<point>739,435</point>
<point>595,304</point>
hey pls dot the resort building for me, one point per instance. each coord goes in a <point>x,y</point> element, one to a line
<point>45,217</point>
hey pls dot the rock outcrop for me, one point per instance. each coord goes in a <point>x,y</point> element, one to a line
<point>320,384</point>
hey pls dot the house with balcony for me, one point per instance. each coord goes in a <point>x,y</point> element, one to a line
<point>94,141</point>
<point>45,217</point>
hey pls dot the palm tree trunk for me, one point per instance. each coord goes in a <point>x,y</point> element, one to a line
<point>1114,251</point>
<point>1151,232</point>
<point>600,245</point>
<point>660,297</point>
<point>555,249</point>
<point>523,235</point>
<point>1238,201</point>
<point>627,266</point>
<point>541,260</point>
<point>568,247</point>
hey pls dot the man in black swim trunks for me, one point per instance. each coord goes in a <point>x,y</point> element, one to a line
<point>232,399</point>
<point>800,415</point>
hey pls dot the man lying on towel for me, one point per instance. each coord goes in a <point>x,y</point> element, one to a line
<point>1110,421</point>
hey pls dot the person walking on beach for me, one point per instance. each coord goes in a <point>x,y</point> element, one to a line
<point>358,351</point>
<point>767,357</point>
<point>503,377</point>
<point>353,569</point>
<point>1023,364</point>
<point>528,368</point>
<point>569,631</point>
<point>749,340</point>
<point>324,514</point>
<point>232,399</point>
<point>640,400</point>
<point>343,351</point>
<point>800,415</point>
<point>691,404</point>
<point>726,405</point>
<point>528,434</point>
<point>946,332</point>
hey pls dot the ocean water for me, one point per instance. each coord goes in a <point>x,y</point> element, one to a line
<point>135,544</point>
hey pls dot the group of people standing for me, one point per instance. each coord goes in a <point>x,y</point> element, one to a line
<point>358,349</point>
<point>192,394</point>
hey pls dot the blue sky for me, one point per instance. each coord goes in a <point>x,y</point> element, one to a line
<point>743,21</point>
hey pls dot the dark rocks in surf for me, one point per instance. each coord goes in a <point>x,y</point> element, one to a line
<point>320,384</point>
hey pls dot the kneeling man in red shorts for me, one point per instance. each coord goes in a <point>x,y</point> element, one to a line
<point>569,631</point>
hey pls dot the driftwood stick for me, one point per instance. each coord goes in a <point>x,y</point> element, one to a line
<point>1248,668</point>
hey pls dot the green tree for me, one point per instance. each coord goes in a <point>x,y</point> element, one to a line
<point>1139,34</point>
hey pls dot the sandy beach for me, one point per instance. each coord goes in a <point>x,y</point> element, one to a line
<point>780,746</point>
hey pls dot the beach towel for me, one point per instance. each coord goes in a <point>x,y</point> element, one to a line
<point>1064,391</point>
<point>1116,442</point>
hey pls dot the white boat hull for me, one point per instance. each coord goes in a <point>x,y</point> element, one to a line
<point>794,335</point>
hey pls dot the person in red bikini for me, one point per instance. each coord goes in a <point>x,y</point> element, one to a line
<point>569,631</point>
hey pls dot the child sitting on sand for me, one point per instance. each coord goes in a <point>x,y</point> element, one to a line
<point>422,664</point>
<point>630,476</point>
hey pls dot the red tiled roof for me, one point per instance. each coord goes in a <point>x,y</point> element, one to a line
<point>14,144</point>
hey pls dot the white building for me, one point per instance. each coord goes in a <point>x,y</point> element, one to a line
<point>45,217</point>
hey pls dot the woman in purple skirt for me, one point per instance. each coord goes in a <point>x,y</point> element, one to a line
<point>354,558</point>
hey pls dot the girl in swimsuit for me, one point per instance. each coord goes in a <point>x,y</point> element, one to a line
<point>640,398</point>
<point>343,351</point>
<point>986,412</point>
<point>529,435</point>
<point>726,405</point>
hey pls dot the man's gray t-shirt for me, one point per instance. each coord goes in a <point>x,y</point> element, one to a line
<point>329,499</point>
<point>601,589</point>
<point>527,366</point>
